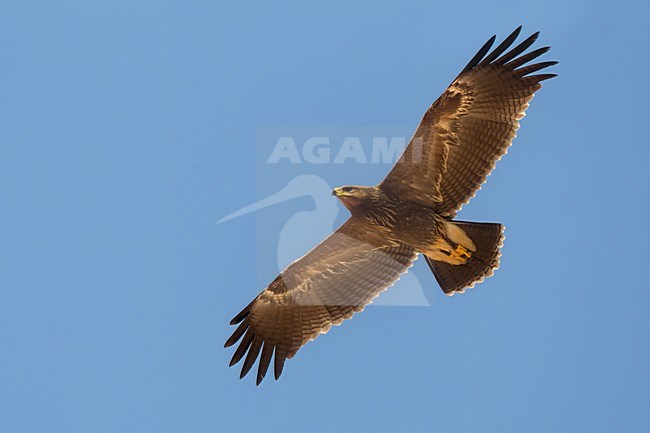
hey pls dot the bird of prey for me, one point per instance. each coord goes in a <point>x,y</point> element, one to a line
<point>411,212</point>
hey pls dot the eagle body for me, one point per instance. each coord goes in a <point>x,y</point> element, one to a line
<point>410,223</point>
<point>411,212</point>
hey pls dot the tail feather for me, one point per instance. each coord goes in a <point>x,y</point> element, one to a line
<point>488,238</point>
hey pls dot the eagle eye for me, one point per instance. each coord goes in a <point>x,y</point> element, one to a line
<point>347,189</point>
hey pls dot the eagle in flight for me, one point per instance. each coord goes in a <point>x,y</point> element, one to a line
<point>455,147</point>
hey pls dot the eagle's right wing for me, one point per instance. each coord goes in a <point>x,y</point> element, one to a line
<point>328,285</point>
<point>469,128</point>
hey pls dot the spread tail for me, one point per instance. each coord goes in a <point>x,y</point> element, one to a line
<point>488,239</point>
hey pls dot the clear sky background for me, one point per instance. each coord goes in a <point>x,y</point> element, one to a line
<point>129,127</point>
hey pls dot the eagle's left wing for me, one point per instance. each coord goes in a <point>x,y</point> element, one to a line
<point>329,284</point>
<point>469,128</point>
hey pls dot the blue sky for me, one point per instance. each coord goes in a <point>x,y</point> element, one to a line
<point>130,127</point>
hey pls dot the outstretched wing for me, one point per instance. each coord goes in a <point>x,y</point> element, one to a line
<point>328,285</point>
<point>469,128</point>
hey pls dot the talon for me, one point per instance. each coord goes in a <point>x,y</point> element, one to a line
<point>463,252</point>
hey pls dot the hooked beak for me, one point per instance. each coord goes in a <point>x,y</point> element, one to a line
<point>336,192</point>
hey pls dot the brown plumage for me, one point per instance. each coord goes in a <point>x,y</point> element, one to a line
<point>454,149</point>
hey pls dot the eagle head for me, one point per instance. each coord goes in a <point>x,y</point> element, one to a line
<point>355,197</point>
